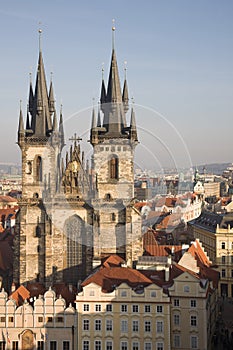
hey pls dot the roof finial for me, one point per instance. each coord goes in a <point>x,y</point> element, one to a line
<point>102,70</point>
<point>51,76</point>
<point>40,32</point>
<point>113,36</point>
<point>20,104</point>
<point>125,68</point>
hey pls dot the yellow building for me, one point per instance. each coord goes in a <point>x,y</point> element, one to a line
<point>123,308</point>
<point>215,231</point>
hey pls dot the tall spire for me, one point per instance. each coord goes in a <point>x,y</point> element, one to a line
<point>99,118</point>
<point>114,88</point>
<point>41,102</point>
<point>21,126</point>
<point>61,129</point>
<point>51,98</point>
<point>93,123</point>
<point>133,128</point>
<point>55,121</point>
<point>21,131</point>
<point>103,91</point>
<point>125,94</point>
<point>31,97</point>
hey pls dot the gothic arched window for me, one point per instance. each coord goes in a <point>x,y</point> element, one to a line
<point>38,169</point>
<point>74,230</point>
<point>113,167</point>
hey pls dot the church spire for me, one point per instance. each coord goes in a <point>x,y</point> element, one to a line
<point>51,98</point>
<point>21,130</point>
<point>125,94</point>
<point>133,128</point>
<point>61,129</point>
<point>42,123</point>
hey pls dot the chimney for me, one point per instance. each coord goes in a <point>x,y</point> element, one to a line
<point>166,274</point>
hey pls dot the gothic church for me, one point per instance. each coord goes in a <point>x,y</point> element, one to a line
<point>72,214</point>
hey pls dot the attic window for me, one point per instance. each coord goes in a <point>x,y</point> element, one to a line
<point>186,289</point>
<point>153,294</point>
<point>124,293</point>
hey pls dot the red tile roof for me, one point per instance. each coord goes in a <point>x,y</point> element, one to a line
<point>20,294</point>
<point>110,277</point>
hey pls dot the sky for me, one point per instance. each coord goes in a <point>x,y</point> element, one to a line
<point>179,56</point>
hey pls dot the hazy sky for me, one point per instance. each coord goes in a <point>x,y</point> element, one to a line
<point>179,57</point>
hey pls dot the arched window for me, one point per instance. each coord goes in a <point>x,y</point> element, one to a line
<point>38,169</point>
<point>74,231</point>
<point>113,165</point>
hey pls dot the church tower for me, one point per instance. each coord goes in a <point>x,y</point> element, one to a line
<point>41,140</point>
<point>54,240</point>
<point>117,224</point>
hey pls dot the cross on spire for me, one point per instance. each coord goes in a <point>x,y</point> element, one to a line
<point>75,138</point>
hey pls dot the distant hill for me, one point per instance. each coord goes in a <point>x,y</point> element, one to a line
<point>214,168</point>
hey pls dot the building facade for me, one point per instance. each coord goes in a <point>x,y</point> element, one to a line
<point>46,324</point>
<point>73,215</point>
<point>215,231</point>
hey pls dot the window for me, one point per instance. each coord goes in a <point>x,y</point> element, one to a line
<point>109,345</point>
<point>124,293</point>
<point>176,341</point>
<point>176,319</point>
<point>2,319</point>
<point>38,169</point>
<point>135,326</point>
<point>147,346</point>
<point>40,319</point>
<point>124,345</point>
<point>147,326</point>
<point>91,293</point>
<point>85,307</point>
<point>49,319</point>
<point>98,307</point>
<point>59,319</point>
<point>66,345</point>
<point>109,307</point>
<point>223,259</point>
<point>159,326</point>
<point>159,346</point>
<point>86,325</point>
<point>97,344</point>
<point>159,308</point>
<point>193,303</point>
<point>53,345</point>
<point>135,345</point>
<point>193,320</point>
<point>223,245</point>
<point>135,308</point>
<point>124,326</point>
<point>147,308</point>
<point>108,325</point>
<point>176,302</point>
<point>223,273</point>
<point>86,345</point>
<point>232,273</point>
<point>98,325</point>
<point>153,294</point>
<point>10,319</point>
<point>15,345</point>
<point>113,164</point>
<point>2,345</point>
<point>186,289</point>
<point>40,345</point>
<point>194,342</point>
<point>124,308</point>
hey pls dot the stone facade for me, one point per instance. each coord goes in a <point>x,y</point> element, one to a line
<point>71,216</point>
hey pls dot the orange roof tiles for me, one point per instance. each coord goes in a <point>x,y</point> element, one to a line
<point>110,277</point>
<point>20,294</point>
